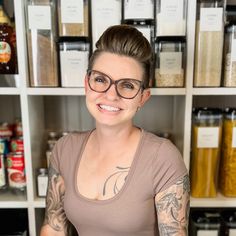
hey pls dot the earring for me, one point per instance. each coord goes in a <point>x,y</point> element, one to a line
<point>138,108</point>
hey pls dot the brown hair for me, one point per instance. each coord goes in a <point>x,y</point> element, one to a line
<point>126,40</point>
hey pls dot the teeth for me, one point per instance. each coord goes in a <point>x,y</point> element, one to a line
<point>109,108</point>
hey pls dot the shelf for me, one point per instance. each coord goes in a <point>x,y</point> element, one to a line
<point>39,202</point>
<point>9,91</point>
<point>219,201</point>
<point>168,91</point>
<point>11,200</point>
<point>214,91</point>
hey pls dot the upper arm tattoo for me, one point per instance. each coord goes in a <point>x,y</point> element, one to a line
<point>54,213</point>
<point>172,206</point>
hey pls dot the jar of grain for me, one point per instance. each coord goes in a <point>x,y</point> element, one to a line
<point>205,156</point>
<point>138,9</point>
<point>101,11</point>
<point>42,48</point>
<point>209,43</point>
<point>228,162</point>
<point>170,62</point>
<point>74,56</point>
<point>171,17</point>
<point>73,18</point>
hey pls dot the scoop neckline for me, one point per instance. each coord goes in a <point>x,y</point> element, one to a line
<point>128,179</point>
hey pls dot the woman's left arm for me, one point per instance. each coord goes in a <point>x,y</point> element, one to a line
<point>172,207</point>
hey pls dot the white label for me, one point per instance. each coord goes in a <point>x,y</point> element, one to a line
<point>211,19</point>
<point>234,137</point>
<point>74,65</point>
<point>207,233</point>
<point>208,137</point>
<point>232,232</point>
<point>146,32</point>
<point>172,10</point>
<point>170,62</point>
<point>42,185</point>
<point>139,9</point>
<point>72,11</point>
<point>233,50</point>
<point>39,17</point>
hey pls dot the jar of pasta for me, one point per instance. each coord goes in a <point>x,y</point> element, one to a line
<point>228,163</point>
<point>205,156</point>
<point>209,43</point>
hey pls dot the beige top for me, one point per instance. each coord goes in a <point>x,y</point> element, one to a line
<point>131,212</point>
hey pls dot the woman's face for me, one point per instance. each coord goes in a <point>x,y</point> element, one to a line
<point>109,108</point>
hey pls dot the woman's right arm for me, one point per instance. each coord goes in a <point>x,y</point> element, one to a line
<point>55,222</point>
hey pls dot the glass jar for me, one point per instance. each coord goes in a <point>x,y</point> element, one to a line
<point>138,9</point>
<point>74,57</point>
<point>73,18</point>
<point>42,48</point>
<point>170,63</point>
<point>230,56</point>
<point>206,148</point>
<point>171,17</point>
<point>209,43</point>
<point>228,163</point>
<point>101,11</point>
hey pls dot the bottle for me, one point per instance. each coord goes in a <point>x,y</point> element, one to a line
<point>42,182</point>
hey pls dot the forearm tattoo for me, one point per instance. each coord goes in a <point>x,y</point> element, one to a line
<point>54,212</point>
<point>172,206</point>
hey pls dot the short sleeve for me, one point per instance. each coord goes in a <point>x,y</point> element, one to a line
<point>168,167</point>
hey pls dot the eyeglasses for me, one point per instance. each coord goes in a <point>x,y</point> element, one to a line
<point>125,88</point>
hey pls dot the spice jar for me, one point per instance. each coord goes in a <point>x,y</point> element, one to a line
<point>138,9</point>
<point>170,63</point>
<point>171,17</point>
<point>101,11</point>
<point>209,43</point>
<point>42,182</point>
<point>74,56</point>
<point>230,56</point>
<point>73,18</point>
<point>228,162</point>
<point>42,48</point>
<point>206,148</point>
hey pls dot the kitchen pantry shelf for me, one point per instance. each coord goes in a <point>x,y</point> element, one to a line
<point>42,109</point>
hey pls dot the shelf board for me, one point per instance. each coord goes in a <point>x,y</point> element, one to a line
<point>219,201</point>
<point>168,91</point>
<point>214,91</point>
<point>11,200</point>
<point>9,91</point>
<point>39,202</point>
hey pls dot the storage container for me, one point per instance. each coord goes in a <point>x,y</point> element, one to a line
<point>229,222</point>
<point>42,47</point>
<point>209,43</point>
<point>206,148</point>
<point>228,160</point>
<point>171,17</point>
<point>74,56</point>
<point>73,17</point>
<point>170,63</point>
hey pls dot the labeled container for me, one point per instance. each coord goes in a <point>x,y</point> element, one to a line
<point>209,43</point>
<point>74,57</point>
<point>73,18</point>
<point>138,9</point>
<point>42,182</point>
<point>206,148</point>
<point>102,11</point>
<point>3,181</point>
<point>229,222</point>
<point>170,63</point>
<point>230,56</point>
<point>171,17</point>
<point>228,160</point>
<point>42,47</point>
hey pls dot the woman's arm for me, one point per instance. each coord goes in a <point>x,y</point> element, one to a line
<point>172,206</point>
<point>55,222</point>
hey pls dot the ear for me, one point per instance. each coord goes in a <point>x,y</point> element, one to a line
<point>86,83</point>
<point>144,97</point>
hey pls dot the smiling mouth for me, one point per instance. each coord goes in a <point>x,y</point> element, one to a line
<point>109,108</point>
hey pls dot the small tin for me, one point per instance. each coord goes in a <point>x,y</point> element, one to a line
<point>2,173</point>
<point>17,145</point>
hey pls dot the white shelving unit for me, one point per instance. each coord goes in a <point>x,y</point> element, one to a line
<point>43,109</point>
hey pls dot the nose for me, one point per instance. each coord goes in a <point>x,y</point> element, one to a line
<point>111,93</point>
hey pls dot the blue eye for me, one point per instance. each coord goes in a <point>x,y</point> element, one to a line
<point>100,79</point>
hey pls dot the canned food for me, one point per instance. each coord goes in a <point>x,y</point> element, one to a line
<point>2,173</point>
<point>16,170</point>
<point>5,130</point>
<point>4,146</point>
<point>17,145</point>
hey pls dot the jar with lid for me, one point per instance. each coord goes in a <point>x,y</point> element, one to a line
<point>42,182</point>
<point>74,57</point>
<point>101,11</point>
<point>230,56</point>
<point>170,62</point>
<point>229,222</point>
<point>228,161</point>
<point>73,18</point>
<point>209,43</point>
<point>138,9</point>
<point>42,47</point>
<point>206,149</point>
<point>51,141</point>
<point>171,17</point>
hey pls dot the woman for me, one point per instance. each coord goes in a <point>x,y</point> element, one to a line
<point>117,179</point>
